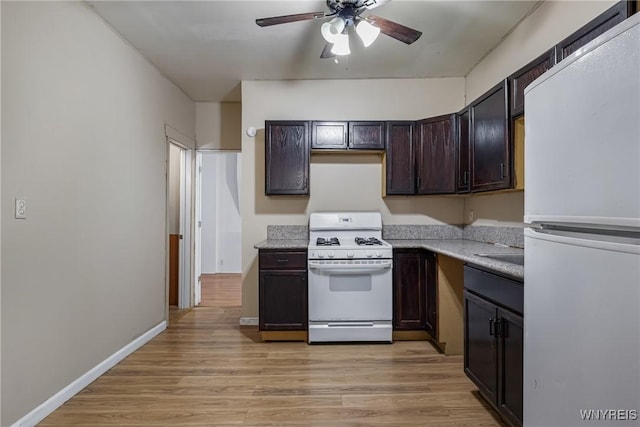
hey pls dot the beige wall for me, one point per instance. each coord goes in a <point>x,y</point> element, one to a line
<point>540,31</point>
<point>0,227</point>
<point>83,140</point>
<point>547,25</point>
<point>218,125</point>
<point>342,181</point>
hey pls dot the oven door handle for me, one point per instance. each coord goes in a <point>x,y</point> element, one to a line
<point>350,268</point>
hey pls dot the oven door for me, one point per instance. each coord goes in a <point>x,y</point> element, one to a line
<point>350,290</point>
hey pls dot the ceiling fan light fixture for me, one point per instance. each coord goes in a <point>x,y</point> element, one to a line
<point>368,33</point>
<point>341,45</point>
<point>333,29</point>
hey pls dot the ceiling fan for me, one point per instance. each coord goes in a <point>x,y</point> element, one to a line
<point>345,14</point>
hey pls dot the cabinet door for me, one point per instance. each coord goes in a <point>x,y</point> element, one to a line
<point>283,300</point>
<point>490,153</point>
<point>409,288</point>
<point>328,135</point>
<point>400,160</point>
<point>480,352</point>
<point>436,165</point>
<point>431,293</point>
<point>521,79</point>
<point>603,22</point>
<point>462,152</point>
<point>366,135</point>
<point>510,365</point>
<point>286,157</point>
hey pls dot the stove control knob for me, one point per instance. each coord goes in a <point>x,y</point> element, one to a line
<point>312,254</point>
<point>369,254</point>
<point>379,254</point>
<point>320,254</point>
<point>331,254</point>
<point>350,254</point>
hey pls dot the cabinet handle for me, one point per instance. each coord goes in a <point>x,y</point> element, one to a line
<point>498,328</point>
<point>492,323</point>
<point>502,172</point>
<point>503,328</point>
<point>282,261</point>
<point>465,177</point>
<point>419,182</point>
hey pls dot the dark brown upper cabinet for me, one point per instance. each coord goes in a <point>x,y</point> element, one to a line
<point>463,176</point>
<point>490,142</point>
<point>286,158</point>
<point>603,22</point>
<point>329,135</point>
<point>400,158</point>
<point>356,135</point>
<point>524,76</point>
<point>436,155</point>
<point>366,135</point>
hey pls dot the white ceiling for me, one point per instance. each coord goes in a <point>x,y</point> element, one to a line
<point>208,47</point>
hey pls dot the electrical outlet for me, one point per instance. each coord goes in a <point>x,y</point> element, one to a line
<point>470,216</point>
<point>21,209</point>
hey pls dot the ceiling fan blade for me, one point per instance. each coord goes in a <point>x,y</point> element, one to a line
<point>372,4</point>
<point>275,20</point>
<point>326,52</point>
<point>393,29</point>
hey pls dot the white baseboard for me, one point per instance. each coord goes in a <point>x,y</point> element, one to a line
<point>249,321</point>
<point>55,401</point>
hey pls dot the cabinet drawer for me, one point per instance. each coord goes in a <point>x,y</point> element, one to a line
<point>283,260</point>
<point>500,290</point>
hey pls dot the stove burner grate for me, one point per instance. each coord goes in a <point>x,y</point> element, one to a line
<point>369,241</point>
<point>332,241</point>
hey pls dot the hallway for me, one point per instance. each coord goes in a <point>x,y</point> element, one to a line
<point>206,370</point>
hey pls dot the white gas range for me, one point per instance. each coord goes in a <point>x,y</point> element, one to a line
<point>350,278</point>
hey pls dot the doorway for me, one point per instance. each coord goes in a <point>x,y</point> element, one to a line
<point>218,232</point>
<point>179,181</point>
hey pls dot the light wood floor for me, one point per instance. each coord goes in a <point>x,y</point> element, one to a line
<point>205,370</point>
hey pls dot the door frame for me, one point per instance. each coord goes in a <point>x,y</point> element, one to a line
<point>197,257</point>
<point>198,216</point>
<point>186,274</point>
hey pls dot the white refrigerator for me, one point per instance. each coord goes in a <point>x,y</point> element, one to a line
<point>582,246</point>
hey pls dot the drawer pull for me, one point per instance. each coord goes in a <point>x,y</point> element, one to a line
<point>282,261</point>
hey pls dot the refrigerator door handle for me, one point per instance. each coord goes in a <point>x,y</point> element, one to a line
<point>597,241</point>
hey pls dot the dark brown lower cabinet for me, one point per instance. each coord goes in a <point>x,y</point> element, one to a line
<point>494,340</point>
<point>283,291</point>
<point>414,291</point>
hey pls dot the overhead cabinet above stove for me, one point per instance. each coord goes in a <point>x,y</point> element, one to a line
<point>350,135</point>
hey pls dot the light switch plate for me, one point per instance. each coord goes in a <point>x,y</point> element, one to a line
<point>21,208</point>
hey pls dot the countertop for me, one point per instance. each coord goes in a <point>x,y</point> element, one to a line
<point>282,244</point>
<point>464,250</point>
